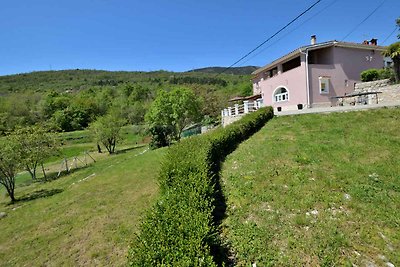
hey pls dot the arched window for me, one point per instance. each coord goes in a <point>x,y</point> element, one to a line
<point>281,94</point>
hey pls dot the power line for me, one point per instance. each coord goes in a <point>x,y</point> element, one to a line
<point>272,36</point>
<point>390,35</point>
<point>364,20</point>
<point>262,50</point>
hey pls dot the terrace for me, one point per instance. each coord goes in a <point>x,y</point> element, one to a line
<point>241,106</point>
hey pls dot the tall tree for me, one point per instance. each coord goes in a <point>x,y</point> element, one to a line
<point>9,164</point>
<point>185,109</point>
<point>106,130</point>
<point>36,144</point>
<point>398,26</point>
<point>393,51</point>
<point>171,112</point>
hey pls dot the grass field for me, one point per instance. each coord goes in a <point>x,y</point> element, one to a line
<point>76,144</point>
<point>86,218</point>
<point>317,190</point>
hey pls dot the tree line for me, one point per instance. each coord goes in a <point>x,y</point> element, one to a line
<point>71,100</point>
<point>27,148</point>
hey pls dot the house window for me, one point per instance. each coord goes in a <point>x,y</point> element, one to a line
<point>324,85</point>
<point>281,95</point>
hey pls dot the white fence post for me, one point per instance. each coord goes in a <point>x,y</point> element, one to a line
<point>236,109</point>
<point>246,106</point>
<point>260,103</point>
<point>229,111</point>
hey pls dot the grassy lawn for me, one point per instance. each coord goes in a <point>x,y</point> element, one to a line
<point>76,144</point>
<point>317,190</point>
<point>86,218</point>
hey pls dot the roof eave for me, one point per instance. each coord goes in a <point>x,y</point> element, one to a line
<point>317,46</point>
<point>293,54</point>
<point>277,61</point>
<point>361,46</point>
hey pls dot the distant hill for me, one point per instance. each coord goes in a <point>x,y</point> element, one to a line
<point>63,80</point>
<point>246,70</point>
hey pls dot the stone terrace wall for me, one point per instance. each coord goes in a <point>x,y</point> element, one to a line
<point>230,119</point>
<point>390,93</point>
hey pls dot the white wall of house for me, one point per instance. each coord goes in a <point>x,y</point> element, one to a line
<point>294,81</point>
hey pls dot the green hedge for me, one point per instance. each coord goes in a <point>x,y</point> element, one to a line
<point>180,230</point>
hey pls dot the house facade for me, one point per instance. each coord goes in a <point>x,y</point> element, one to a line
<point>313,75</point>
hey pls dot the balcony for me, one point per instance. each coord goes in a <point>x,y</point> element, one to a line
<point>235,112</point>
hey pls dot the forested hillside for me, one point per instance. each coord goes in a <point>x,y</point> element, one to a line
<point>246,70</point>
<point>70,99</point>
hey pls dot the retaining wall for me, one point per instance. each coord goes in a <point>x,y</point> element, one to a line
<point>390,92</point>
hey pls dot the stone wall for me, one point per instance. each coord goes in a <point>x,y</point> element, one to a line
<point>371,86</point>
<point>390,92</point>
<point>230,119</point>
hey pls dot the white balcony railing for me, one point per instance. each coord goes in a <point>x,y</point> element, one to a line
<point>241,109</point>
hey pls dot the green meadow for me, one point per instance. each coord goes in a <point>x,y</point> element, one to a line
<point>316,190</point>
<point>309,190</point>
<point>84,218</point>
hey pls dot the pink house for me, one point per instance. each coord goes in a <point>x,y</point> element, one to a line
<point>312,75</point>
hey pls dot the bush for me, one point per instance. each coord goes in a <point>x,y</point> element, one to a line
<point>386,73</point>
<point>377,74</point>
<point>160,136</point>
<point>369,75</point>
<point>179,230</point>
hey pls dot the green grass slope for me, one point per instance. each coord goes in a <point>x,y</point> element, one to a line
<point>84,219</point>
<point>317,190</point>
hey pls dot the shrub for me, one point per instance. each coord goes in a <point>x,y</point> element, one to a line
<point>180,230</point>
<point>369,75</point>
<point>386,73</point>
<point>377,74</point>
<point>160,136</point>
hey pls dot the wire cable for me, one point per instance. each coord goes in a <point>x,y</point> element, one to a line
<point>364,20</point>
<point>390,35</point>
<point>269,38</point>
<point>301,24</point>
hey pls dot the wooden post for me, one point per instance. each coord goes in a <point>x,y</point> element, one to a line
<point>66,165</point>
<point>44,173</point>
<point>81,161</point>
<point>90,156</point>
<point>59,172</point>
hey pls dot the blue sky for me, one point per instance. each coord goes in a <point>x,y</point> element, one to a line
<point>175,35</point>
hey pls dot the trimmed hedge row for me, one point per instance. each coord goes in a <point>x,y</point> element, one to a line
<point>180,230</point>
